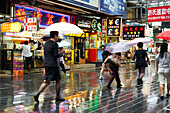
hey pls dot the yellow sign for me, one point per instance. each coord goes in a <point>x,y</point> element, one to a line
<point>11,27</point>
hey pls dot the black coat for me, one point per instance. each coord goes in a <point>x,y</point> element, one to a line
<point>51,54</point>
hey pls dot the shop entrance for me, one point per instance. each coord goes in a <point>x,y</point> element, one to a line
<point>79,46</point>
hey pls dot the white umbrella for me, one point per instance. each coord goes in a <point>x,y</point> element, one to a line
<point>64,28</point>
<point>119,47</point>
<point>137,40</point>
<point>64,44</point>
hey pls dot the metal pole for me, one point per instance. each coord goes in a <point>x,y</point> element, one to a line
<point>136,10</point>
<point>141,14</point>
<point>13,9</point>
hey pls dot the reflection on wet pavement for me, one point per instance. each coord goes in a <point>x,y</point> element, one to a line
<point>84,93</point>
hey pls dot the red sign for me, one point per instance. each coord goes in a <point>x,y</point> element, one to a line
<point>152,42</point>
<point>31,24</point>
<point>158,14</point>
<point>104,22</point>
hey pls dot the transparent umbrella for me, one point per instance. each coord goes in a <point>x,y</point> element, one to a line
<point>119,47</point>
<point>137,40</point>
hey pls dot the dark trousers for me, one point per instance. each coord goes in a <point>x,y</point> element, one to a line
<point>114,74</point>
<point>63,67</point>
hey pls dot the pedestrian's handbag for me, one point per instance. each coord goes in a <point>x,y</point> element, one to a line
<point>114,59</point>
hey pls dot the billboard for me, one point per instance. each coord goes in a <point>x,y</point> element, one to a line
<point>91,4</point>
<point>46,18</point>
<point>158,14</point>
<point>113,7</point>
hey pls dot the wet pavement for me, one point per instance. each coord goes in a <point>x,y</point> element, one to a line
<point>84,93</point>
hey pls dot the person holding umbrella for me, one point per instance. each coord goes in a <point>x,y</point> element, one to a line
<point>140,60</point>
<point>162,68</point>
<point>52,68</point>
<point>114,68</point>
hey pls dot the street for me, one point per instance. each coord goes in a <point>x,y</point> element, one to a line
<point>84,93</point>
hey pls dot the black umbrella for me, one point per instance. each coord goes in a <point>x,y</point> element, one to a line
<point>46,37</point>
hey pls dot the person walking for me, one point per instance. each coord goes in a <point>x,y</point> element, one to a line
<point>26,52</point>
<point>52,68</point>
<point>62,63</point>
<point>140,62</point>
<point>114,68</point>
<point>162,68</point>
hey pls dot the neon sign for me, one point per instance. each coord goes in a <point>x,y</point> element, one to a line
<point>46,18</point>
<point>132,32</point>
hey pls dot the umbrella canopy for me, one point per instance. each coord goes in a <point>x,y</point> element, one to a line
<point>64,44</point>
<point>104,46</point>
<point>64,28</point>
<point>137,40</point>
<point>164,35</point>
<point>46,37</point>
<point>119,47</point>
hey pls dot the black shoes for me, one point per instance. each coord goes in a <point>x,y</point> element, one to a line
<point>161,97</point>
<point>108,87</point>
<point>139,81</point>
<point>36,98</point>
<point>119,86</point>
<point>59,99</point>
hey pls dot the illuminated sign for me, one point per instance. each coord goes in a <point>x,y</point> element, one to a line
<point>132,32</point>
<point>114,27</point>
<point>46,18</point>
<point>104,23</point>
<point>96,25</point>
<point>31,24</point>
<point>158,14</point>
<point>11,27</point>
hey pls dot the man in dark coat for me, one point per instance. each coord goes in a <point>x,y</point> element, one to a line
<point>52,68</point>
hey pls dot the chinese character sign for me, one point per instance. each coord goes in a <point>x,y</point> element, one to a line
<point>158,14</point>
<point>132,32</point>
<point>31,24</point>
<point>114,27</point>
<point>46,18</point>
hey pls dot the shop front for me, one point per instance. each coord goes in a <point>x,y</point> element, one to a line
<point>95,30</point>
<point>31,30</point>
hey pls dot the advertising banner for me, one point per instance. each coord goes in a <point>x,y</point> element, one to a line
<point>46,18</point>
<point>92,4</point>
<point>114,27</point>
<point>132,32</point>
<point>158,14</point>
<point>114,7</point>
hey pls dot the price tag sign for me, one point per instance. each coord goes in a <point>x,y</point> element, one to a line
<point>114,27</point>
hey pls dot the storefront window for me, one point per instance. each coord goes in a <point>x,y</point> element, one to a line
<point>93,41</point>
<point>87,43</point>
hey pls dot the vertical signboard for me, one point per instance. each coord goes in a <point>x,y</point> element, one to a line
<point>104,24</point>
<point>114,27</point>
